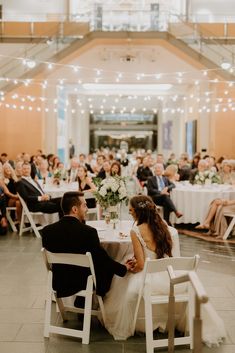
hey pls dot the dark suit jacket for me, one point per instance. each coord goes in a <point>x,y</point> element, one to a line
<point>69,235</point>
<point>28,192</point>
<point>152,186</point>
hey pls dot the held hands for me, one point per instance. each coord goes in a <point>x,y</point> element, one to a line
<point>131,264</point>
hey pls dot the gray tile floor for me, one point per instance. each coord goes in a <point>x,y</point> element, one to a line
<point>22,289</point>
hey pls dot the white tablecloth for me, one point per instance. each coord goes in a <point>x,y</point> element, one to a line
<point>58,191</point>
<point>120,248</point>
<point>194,200</point>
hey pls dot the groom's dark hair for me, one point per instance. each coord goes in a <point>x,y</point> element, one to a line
<point>70,199</point>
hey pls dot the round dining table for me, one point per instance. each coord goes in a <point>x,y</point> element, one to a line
<point>194,200</point>
<point>117,242</point>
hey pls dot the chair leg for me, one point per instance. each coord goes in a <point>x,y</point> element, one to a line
<point>87,312</point>
<point>12,224</point>
<point>229,229</point>
<point>47,321</point>
<point>148,324</point>
<point>22,223</point>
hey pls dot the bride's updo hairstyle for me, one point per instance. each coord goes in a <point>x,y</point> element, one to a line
<point>146,212</point>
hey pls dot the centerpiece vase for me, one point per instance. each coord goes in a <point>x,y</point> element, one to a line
<point>113,211</point>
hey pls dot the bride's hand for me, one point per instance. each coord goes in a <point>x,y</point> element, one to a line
<point>131,264</point>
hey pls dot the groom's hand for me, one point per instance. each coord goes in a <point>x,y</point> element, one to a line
<point>131,264</point>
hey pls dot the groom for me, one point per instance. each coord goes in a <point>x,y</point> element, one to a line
<point>71,235</point>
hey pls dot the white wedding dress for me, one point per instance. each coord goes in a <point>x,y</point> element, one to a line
<point>120,304</point>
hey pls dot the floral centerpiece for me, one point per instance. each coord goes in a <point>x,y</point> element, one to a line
<point>110,193</point>
<point>207,177</point>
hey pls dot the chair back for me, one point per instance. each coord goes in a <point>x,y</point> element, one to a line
<point>82,260</point>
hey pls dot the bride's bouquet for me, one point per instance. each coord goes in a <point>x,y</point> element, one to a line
<point>111,191</point>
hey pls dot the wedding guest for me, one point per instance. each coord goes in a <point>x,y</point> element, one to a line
<point>226,173</point>
<point>34,196</point>
<point>115,169</point>
<point>171,173</point>
<point>12,199</point>
<point>184,169</point>
<point>201,168</point>
<point>99,163</point>
<point>195,161</point>
<point>215,222</point>
<point>144,171</point>
<point>85,184</point>
<point>4,159</point>
<point>83,163</point>
<point>150,239</point>
<point>159,188</point>
<point>72,235</point>
<point>43,172</point>
<point>3,219</point>
<point>18,169</point>
<point>73,170</point>
<point>104,171</point>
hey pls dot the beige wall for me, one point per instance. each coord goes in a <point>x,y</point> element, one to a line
<point>21,130</point>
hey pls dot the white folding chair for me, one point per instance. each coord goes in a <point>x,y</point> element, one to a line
<point>95,210</point>
<point>9,218</point>
<point>150,298</point>
<point>77,260</point>
<point>27,216</point>
<point>230,226</point>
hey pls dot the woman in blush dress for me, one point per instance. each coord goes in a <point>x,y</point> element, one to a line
<point>151,239</point>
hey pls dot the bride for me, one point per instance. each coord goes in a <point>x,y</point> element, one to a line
<point>150,238</point>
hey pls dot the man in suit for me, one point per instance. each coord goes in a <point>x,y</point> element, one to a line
<point>159,188</point>
<point>71,235</point>
<point>34,196</point>
<point>144,171</point>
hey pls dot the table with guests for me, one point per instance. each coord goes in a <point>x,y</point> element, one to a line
<point>172,183</point>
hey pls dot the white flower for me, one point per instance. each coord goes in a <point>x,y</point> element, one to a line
<point>103,191</point>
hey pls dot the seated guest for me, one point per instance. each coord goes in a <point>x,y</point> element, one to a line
<point>85,184</point>
<point>83,163</point>
<point>4,159</point>
<point>115,169</point>
<point>171,173</point>
<point>195,161</point>
<point>33,195</point>
<point>72,235</point>
<point>159,188</point>
<point>104,171</point>
<point>184,169</point>
<point>12,199</point>
<point>99,163</point>
<point>73,170</point>
<point>3,219</point>
<point>202,167</point>
<point>124,161</point>
<point>215,221</point>
<point>43,173</point>
<point>144,171</point>
<point>226,173</point>
<point>18,169</point>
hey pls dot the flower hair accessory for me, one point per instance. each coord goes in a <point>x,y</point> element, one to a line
<point>144,204</point>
